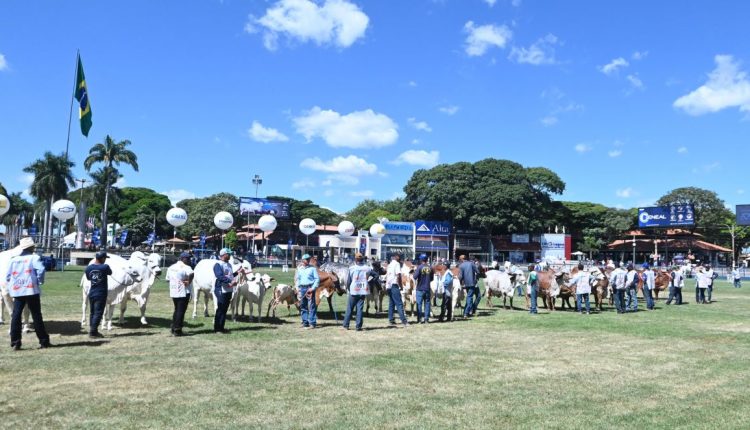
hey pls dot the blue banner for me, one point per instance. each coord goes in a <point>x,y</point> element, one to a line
<point>33,230</point>
<point>123,237</point>
<point>433,228</point>
<point>203,240</point>
<point>151,237</point>
<point>743,214</point>
<point>96,237</point>
<point>666,216</point>
<point>255,206</point>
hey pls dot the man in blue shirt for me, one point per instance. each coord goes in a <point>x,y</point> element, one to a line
<point>467,273</point>
<point>25,275</point>
<point>223,289</point>
<point>97,273</point>
<point>307,281</point>
<point>423,275</point>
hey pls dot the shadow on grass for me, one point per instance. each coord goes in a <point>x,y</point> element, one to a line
<point>133,334</point>
<point>210,331</point>
<point>81,343</point>
<point>64,328</point>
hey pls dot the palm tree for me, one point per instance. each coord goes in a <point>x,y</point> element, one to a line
<point>18,217</point>
<point>111,154</point>
<point>52,179</point>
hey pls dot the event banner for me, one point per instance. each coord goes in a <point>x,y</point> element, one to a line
<point>433,228</point>
<point>666,216</point>
<point>554,247</point>
<point>743,214</point>
<point>257,206</point>
<point>519,238</point>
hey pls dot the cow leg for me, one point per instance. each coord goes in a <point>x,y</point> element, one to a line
<point>268,311</point>
<point>109,314</point>
<point>143,302</point>
<point>83,310</point>
<point>123,308</point>
<point>26,313</point>
<point>195,302</point>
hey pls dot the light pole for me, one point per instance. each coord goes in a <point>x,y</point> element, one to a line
<point>732,232</point>
<point>81,236</point>
<point>633,250</point>
<point>257,181</point>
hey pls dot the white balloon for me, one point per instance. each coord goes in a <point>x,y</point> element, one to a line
<point>4,205</point>
<point>176,217</point>
<point>267,223</point>
<point>307,226</point>
<point>377,230</point>
<point>63,210</point>
<point>223,220</point>
<point>346,228</point>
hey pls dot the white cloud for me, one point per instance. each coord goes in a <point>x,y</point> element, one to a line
<point>625,193</point>
<point>303,184</point>
<point>351,165</point>
<point>418,158</point>
<point>3,63</point>
<point>635,82</point>
<point>515,3</point>
<point>342,179</point>
<point>26,179</point>
<point>582,147</point>
<point>740,191</point>
<point>332,22</point>
<point>412,84</point>
<point>490,2</point>
<point>612,67</point>
<point>362,193</point>
<point>178,195</point>
<point>707,168</point>
<point>639,55</point>
<point>359,129</point>
<point>416,141</point>
<point>614,153</point>
<point>727,87</point>
<point>120,183</point>
<point>541,52</point>
<point>419,125</point>
<point>549,121</point>
<point>398,195</point>
<point>449,110</point>
<point>484,37</point>
<point>682,150</point>
<point>266,135</point>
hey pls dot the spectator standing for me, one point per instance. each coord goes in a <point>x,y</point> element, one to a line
<point>97,274</point>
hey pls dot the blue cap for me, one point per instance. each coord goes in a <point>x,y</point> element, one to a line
<point>306,257</point>
<point>101,255</point>
<point>184,255</point>
<point>225,251</point>
<point>645,265</point>
<point>423,257</point>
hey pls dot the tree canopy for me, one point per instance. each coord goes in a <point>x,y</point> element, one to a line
<point>711,214</point>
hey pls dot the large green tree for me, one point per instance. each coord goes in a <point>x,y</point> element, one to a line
<point>301,209</point>
<point>711,214</point>
<point>593,225</point>
<point>368,211</point>
<point>110,153</point>
<point>201,212</point>
<point>52,179</point>
<point>496,196</point>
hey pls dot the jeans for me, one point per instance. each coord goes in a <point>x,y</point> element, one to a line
<point>678,295</point>
<point>222,306</point>
<point>618,296</point>
<point>701,295</point>
<point>178,317</point>
<point>709,291</point>
<point>697,294</point>
<point>579,299</point>
<point>358,302</point>
<point>471,292</point>
<point>519,291</point>
<point>737,283</point>
<point>648,295</point>
<point>477,299</point>
<point>308,309</point>
<point>395,303</point>
<point>446,308</point>
<point>671,294</point>
<point>35,306</point>
<point>423,304</point>
<point>632,300</point>
<point>96,306</point>
<point>532,301</point>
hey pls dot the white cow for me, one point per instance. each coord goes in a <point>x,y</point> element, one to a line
<point>252,291</point>
<point>498,284</point>
<point>147,268</point>
<point>5,297</point>
<point>283,293</point>
<point>121,279</point>
<point>204,281</point>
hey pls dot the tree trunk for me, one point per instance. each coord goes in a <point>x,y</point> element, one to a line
<point>104,216</point>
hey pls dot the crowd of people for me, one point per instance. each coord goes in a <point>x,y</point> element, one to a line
<point>26,274</point>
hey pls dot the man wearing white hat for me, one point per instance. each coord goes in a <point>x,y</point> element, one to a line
<point>25,275</point>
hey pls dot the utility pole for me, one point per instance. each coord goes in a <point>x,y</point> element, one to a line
<point>81,236</point>
<point>257,181</point>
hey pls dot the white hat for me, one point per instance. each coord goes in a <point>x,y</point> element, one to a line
<point>26,243</point>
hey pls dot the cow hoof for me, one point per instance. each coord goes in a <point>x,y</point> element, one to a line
<point>205,314</point>
<point>143,321</point>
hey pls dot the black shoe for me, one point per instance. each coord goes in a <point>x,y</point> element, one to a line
<point>16,347</point>
<point>96,334</point>
<point>45,345</point>
<point>222,331</point>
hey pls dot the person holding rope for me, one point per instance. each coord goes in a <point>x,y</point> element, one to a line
<point>97,274</point>
<point>393,285</point>
<point>180,277</point>
<point>359,288</point>
<point>223,289</point>
<point>307,281</point>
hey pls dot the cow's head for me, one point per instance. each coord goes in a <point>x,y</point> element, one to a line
<point>154,263</point>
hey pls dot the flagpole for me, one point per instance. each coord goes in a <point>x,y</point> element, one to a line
<point>72,97</point>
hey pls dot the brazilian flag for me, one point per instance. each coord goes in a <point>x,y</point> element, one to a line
<point>82,95</point>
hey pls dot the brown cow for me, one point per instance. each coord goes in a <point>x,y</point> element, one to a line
<point>661,283</point>
<point>600,289</point>
<point>550,285</point>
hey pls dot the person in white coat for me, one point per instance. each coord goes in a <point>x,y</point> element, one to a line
<point>583,289</point>
<point>180,277</point>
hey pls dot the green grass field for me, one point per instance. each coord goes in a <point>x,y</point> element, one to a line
<point>676,367</point>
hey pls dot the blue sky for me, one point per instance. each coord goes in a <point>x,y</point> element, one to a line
<point>340,100</point>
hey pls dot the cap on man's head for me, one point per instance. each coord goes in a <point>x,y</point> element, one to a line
<point>101,255</point>
<point>645,265</point>
<point>306,257</point>
<point>423,257</point>
<point>225,251</point>
<point>26,243</point>
<point>622,264</point>
<point>184,255</point>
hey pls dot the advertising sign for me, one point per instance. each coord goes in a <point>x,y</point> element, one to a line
<point>257,206</point>
<point>400,228</point>
<point>666,216</point>
<point>743,214</point>
<point>433,228</point>
<point>553,247</point>
<point>519,238</point>
<point>123,237</point>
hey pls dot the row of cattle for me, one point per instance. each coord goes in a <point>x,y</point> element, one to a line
<point>133,278</point>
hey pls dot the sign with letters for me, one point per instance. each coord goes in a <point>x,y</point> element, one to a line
<point>743,214</point>
<point>256,206</point>
<point>666,216</point>
<point>433,228</point>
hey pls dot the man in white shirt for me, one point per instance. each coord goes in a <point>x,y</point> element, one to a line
<point>675,289</point>
<point>631,283</point>
<point>618,288</point>
<point>737,278</point>
<point>583,289</point>
<point>180,277</point>
<point>393,288</point>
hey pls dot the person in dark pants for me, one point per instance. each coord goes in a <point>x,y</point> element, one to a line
<point>97,274</point>
<point>359,288</point>
<point>675,291</point>
<point>393,287</point>
<point>712,276</point>
<point>423,276</point>
<point>25,275</point>
<point>180,277</point>
<point>446,306</point>
<point>307,281</point>
<point>533,287</point>
<point>468,274</point>
<point>223,289</point>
